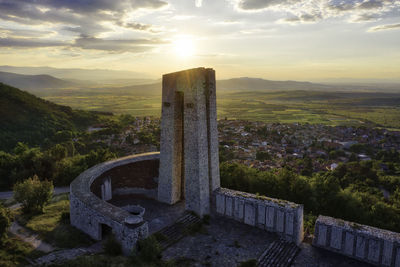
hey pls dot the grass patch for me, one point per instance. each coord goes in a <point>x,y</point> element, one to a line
<point>53,225</point>
<point>14,252</point>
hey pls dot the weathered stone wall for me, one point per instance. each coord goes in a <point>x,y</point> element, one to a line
<point>365,243</point>
<point>90,214</point>
<point>282,217</point>
<point>136,175</point>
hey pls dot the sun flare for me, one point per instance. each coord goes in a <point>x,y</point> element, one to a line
<point>184,47</point>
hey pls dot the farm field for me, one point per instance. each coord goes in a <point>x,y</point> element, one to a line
<point>330,108</point>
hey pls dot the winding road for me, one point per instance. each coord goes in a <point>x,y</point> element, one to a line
<point>57,190</point>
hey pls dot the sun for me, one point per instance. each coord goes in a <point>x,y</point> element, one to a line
<point>184,46</point>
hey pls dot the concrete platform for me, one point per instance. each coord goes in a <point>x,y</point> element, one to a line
<point>157,214</point>
<point>224,242</point>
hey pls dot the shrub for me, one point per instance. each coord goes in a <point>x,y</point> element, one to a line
<point>65,217</point>
<point>112,246</point>
<point>33,194</point>
<point>148,249</point>
<point>5,222</point>
<point>248,263</point>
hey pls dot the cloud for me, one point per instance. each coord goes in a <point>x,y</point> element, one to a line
<point>304,18</point>
<point>138,26</point>
<point>372,4</point>
<point>303,11</point>
<point>86,16</point>
<point>12,32</point>
<point>28,43</point>
<point>82,7</point>
<point>364,17</point>
<point>130,45</point>
<point>262,4</point>
<point>384,27</point>
<point>86,43</point>
<point>198,3</point>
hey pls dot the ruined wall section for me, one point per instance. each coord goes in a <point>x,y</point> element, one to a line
<point>133,178</point>
<point>90,214</point>
<point>365,243</point>
<point>274,215</point>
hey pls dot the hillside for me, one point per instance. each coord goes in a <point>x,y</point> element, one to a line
<point>27,118</point>
<point>93,75</point>
<point>32,82</point>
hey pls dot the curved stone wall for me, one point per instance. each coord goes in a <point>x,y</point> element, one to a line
<point>94,216</point>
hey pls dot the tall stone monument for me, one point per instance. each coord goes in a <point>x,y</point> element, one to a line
<point>189,163</point>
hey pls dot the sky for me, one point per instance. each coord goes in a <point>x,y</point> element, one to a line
<point>273,39</point>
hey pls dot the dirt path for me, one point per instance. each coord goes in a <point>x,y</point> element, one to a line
<point>30,238</point>
<point>69,254</point>
<point>54,255</point>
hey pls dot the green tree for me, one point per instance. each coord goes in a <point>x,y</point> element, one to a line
<point>58,152</point>
<point>308,167</point>
<point>33,194</point>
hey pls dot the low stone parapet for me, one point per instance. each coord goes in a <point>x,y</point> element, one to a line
<point>274,215</point>
<point>96,217</point>
<point>365,243</point>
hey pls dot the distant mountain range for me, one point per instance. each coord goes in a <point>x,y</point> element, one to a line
<point>257,84</point>
<point>29,82</point>
<point>96,76</point>
<point>148,86</point>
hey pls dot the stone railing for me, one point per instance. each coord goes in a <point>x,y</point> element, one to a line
<point>94,216</point>
<point>282,217</point>
<point>365,243</point>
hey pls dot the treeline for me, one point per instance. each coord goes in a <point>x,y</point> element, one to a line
<point>60,163</point>
<point>352,192</point>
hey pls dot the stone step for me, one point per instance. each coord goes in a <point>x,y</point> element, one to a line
<point>178,230</point>
<point>279,254</point>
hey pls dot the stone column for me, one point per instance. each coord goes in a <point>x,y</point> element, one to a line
<point>171,158</point>
<point>106,190</point>
<point>189,162</point>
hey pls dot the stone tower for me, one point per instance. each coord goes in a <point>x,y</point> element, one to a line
<point>189,162</point>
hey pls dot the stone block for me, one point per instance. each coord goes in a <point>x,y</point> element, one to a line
<point>250,214</point>
<point>387,253</point>
<point>349,243</point>
<point>322,231</point>
<point>220,203</point>
<point>228,206</point>
<point>374,249</point>
<point>360,247</point>
<point>238,211</point>
<point>336,238</point>
<point>289,223</point>
<point>270,217</point>
<point>261,215</point>
<point>280,221</point>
